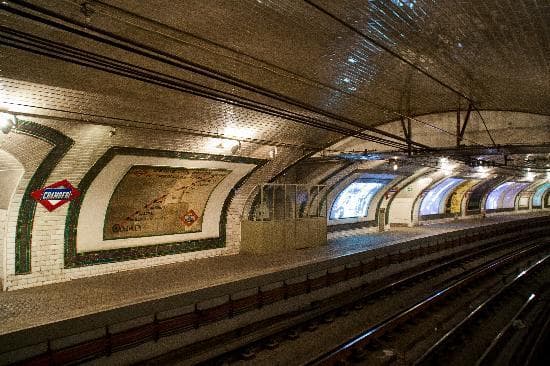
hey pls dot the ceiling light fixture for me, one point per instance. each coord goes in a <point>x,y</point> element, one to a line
<point>530,176</point>
<point>273,152</point>
<point>7,122</point>
<point>445,166</point>
<point>87,10</point>
<point>393,163</point>
<point>231,145</point>
<point>236,147</point>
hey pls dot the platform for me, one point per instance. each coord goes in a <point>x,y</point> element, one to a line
<point>28,308</point>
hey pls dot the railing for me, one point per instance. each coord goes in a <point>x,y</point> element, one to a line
<point>290,201</point>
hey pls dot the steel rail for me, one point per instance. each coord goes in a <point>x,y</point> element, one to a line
<point>441,342</point>
<point>347,348</point>
<point>403,278</point>
<point>491,350</point>
<point>544,331</point>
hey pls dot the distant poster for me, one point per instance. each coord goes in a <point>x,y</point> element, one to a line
<point>354,201</point>
<point>155,200</point>
<point>458,196</point>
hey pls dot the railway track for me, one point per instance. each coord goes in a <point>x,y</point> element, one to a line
<point>494,290</point>
<point>299,336</point>
<point>517,307</point>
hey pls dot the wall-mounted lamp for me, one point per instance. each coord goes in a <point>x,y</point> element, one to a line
<point>530,176</point>
<point>7,122</point>
<point>233,146</point>
<point>393,163</point>
<point>445,166</point>
<point>236,147</point>
<point>87,10</point>
<point>273,152</point>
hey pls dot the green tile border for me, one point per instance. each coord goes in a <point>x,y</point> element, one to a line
<point>74,259</point>
<point>25,219</point>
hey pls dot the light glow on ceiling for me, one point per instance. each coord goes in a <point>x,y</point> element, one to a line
<point>445,166</point>
<point>239,133</point>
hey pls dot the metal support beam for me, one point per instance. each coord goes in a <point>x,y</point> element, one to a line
<point>458,125</point>
<point>407,131</point>
<point>460,130</point>
<point>409,139</point>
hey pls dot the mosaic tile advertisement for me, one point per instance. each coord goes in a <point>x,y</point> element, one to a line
<point>152,201</point>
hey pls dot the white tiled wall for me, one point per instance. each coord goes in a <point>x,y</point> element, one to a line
<point>91,142</point>
<point>2,243</point>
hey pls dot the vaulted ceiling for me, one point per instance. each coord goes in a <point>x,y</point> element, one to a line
<point>299,72</point>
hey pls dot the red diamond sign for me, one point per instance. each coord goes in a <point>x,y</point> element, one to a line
<point>56,194</point>
<point>189,218</point>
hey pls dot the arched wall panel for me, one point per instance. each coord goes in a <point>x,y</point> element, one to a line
<point>433,203</point>
<point>355,199</point>
<point>503,197</point>
<point>538,196</point>
<point>456,199</point>
<point>401,206</point>
<point>494,198</point>
<point>90,143</point>
<point>509,197</point>
<point>397,188</point>
<point>476,199</point>
<point>11,171</point>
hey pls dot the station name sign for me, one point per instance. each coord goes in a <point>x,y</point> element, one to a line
<point>55,195</point>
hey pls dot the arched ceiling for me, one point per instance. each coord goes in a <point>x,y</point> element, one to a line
<point>299,72</point>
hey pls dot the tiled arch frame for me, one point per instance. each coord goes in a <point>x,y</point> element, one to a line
<point>25,219</point>
<point>73,259</point>
<point>337,187</point>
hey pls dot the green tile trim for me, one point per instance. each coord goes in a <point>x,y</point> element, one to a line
<point>61,144</point>
<point>74,259</point>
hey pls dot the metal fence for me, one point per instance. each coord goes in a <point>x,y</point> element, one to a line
<point>290,202</point>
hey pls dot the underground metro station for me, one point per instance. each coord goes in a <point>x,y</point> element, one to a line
<point>274,182</point>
